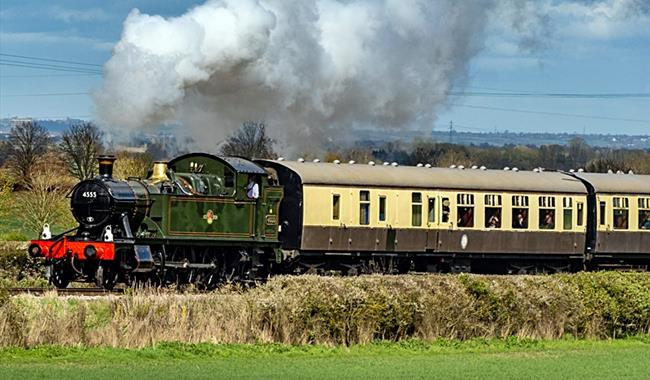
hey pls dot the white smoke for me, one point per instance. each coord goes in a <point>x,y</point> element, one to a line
<point>307,67</point>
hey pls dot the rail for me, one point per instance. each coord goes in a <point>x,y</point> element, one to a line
<point>66,291</point>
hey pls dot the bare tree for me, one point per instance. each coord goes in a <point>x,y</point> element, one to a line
<point>29,141</point>
<point>130,164</point>
<point>81,144</point>
<point>250,141</point>
<point>44,202</point>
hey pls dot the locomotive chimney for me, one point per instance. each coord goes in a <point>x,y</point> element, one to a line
<point>106,166</point>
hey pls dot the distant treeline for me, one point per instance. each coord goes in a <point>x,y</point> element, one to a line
<point>577,154</point>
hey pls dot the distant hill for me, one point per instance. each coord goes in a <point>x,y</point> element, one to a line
<point>614,141</point>
<point>55,127</point>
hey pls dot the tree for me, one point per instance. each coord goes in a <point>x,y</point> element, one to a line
<point>130,164</point>
<point>44,202</point>
<point>579,152</point>
<point>250,141</point>
<point>29,142</point>
<point>81,145</point>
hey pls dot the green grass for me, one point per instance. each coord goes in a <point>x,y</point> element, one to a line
<point>475,359</point>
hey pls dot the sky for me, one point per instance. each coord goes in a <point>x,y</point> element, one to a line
<point>588,73</point>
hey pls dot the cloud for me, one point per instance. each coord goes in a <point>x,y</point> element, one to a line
<point>79,15</point>
<point>53,38</point>
<point>608,19</point>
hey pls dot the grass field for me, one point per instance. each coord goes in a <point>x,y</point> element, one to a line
<point>475,359</point>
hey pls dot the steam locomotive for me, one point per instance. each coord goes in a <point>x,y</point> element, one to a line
<point>207,220</point>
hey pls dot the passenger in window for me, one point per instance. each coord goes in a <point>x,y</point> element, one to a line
<point>252,189</point>
<point>445,211</point>
<point>644,224</point>
<point>521,220</point>
<point>466,217</point>
<point>620,221</point>
<point>548,222</point>
<point>494,221</point>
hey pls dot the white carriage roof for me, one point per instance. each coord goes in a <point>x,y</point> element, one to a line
<point>618,183</point>
<point>432,178</point>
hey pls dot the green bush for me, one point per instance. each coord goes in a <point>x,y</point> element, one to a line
<point>343,311</point>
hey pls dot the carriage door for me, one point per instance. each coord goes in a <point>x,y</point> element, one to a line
<point>446,223</point>
<point>432,226</point>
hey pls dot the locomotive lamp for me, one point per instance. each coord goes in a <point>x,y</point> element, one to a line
<point>106,166</point>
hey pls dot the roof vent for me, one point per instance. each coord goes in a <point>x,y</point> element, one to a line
<point>619,172</point>
<point>452,166</point>
<point>301,159</point>
<point>474,167</point>
<point>351,162</point>
<point>571,171</point>
<point>630,172</point>
<point>609,171</point>
<point>536,170</point>
<point>280,158</point>
<point>386,163</point>
<point>419,165</point>
<point>483,168</point>
<point>427,166</point>
<point>394,164</point>
<point>371,163</point>
<point>461,167</point>
<point>506,168</point>
<point>515,169</point>
<point>581,170</point>
<point>315,160</point>
<point>336,162</point>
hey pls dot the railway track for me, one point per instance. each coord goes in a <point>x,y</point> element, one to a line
<point>68,291</point>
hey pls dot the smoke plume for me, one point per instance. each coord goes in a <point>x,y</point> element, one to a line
<point>306,67</point>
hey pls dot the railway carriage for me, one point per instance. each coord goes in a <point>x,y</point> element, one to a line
<point>620,218</point>
<point>361,218</point>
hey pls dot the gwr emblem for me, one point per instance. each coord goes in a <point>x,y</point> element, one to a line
<point>210,216</point>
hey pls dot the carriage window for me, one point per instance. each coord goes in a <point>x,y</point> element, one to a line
<point>445,210</point>
<point>621,212</point>
<point>382,208</point>
<point>520,211</point>
<point>364,207</point>
<point>431,215</point>
<point>336,206</point>
<point>416,209</point>
<point>580,212</point>
<point>644,214</point>
<point>465,210</point>
<point>547,213</point>
<point>602,212</point>
<point>567,215</point>
<point>492,211</point>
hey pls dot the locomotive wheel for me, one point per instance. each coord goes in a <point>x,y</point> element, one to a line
<point>59,275</point>
<point>106,276</point>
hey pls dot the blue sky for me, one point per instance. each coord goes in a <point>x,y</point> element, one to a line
<point>585,53</point>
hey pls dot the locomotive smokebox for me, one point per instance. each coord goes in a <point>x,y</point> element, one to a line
<point>106,166</point>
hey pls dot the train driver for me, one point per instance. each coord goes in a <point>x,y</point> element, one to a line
<point>252,189</point>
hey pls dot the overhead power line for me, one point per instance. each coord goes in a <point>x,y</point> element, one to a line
<point>46,94</point>
<point>553,113</point>
<point>50,60</point>
<point>49,67</point>
<point>553,95</point>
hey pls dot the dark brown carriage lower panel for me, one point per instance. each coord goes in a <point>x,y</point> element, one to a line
<point>343,239</point>
<point>622,242</point>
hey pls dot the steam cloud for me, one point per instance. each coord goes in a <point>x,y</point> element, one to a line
<point>305,66</point>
